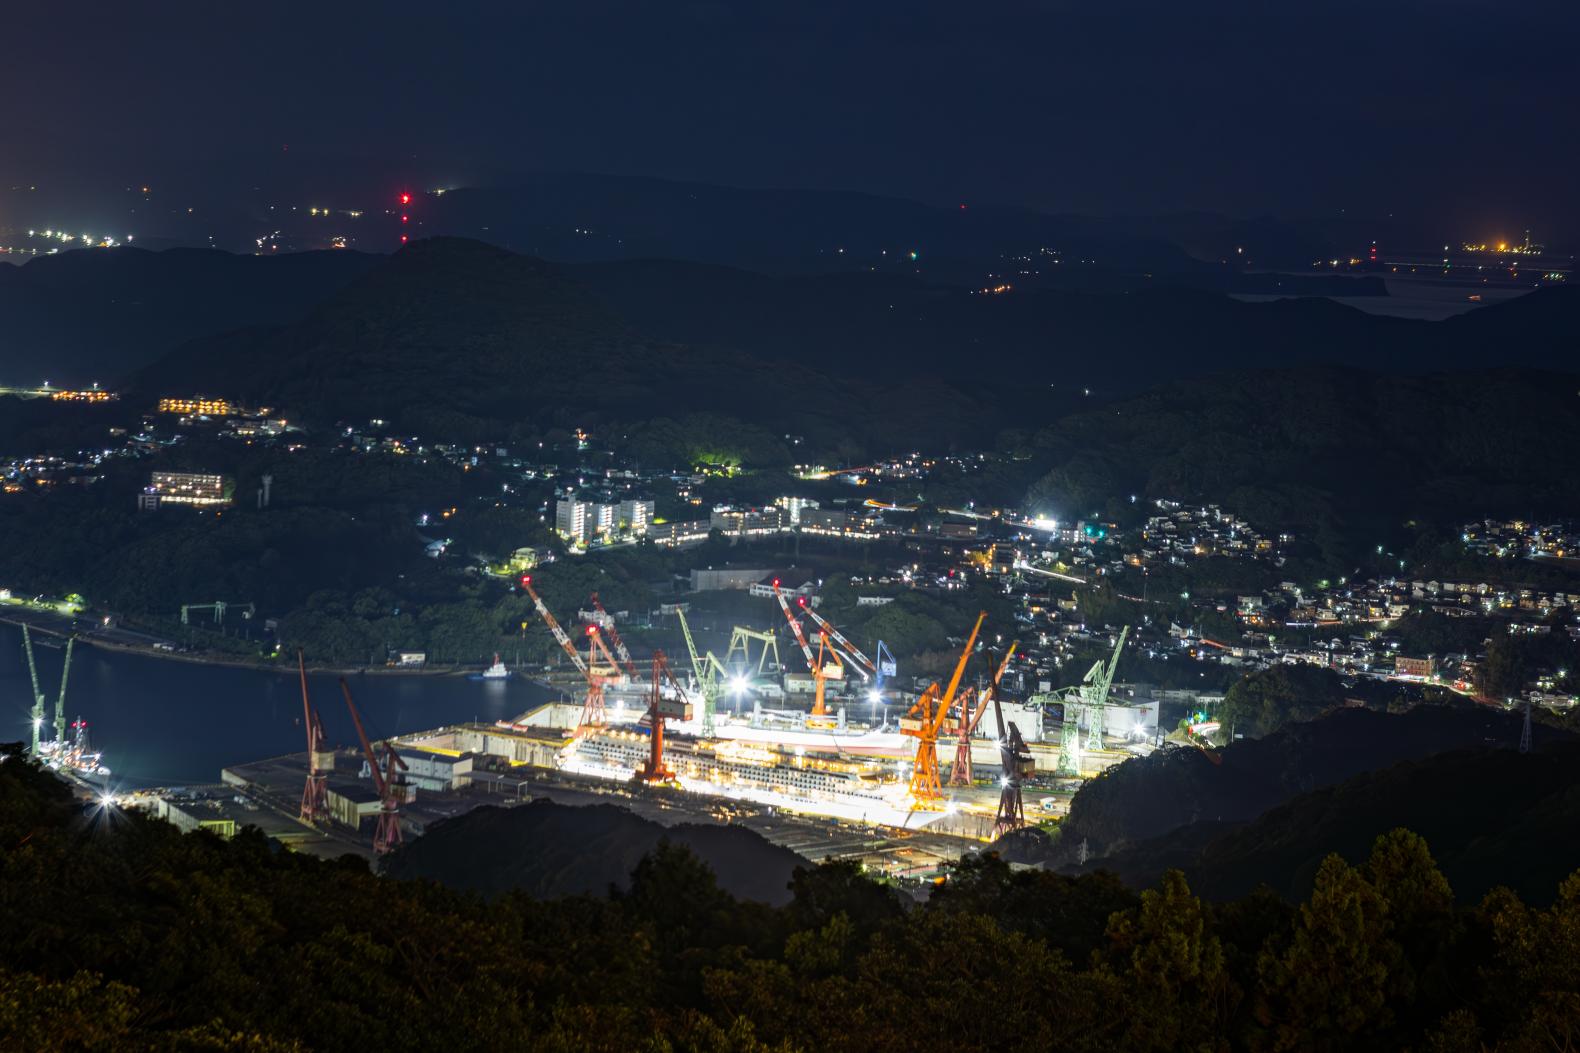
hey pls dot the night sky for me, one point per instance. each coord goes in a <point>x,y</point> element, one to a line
<point>1456,112</point>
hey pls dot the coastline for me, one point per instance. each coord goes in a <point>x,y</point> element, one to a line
<point>208,658</point>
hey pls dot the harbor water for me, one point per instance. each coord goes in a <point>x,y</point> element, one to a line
<point>163,722</point>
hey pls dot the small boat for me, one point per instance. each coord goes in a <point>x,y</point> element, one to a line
<point>497,671</point>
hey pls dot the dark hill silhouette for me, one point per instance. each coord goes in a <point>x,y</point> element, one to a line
<point>1491,817</point>
<point>97,314</point>
<point>1331,450</point>
<point>880,325</point>
<point>454,338</point>
<point>1146,798</point>
<point>549,850</point>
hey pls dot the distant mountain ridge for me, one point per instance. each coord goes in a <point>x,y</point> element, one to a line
<point>99,314</point>
<point>450,331</point>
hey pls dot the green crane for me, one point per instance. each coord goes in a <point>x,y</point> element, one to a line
<point>38,693</point>
<point>1092,696</point>
<point>38,696</point>
<point>60,700</point>
<point>1097,694</point>
<point>708,670</point>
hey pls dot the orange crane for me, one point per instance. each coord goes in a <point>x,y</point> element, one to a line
<point>924,722</point>
<point>822,670</point>
<point>386,832</point>
<point>315,805</point>
<point>960,772</point>
<point>659,709</point>
<point>614,638</point>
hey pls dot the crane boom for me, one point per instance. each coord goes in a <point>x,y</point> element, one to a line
<point>313,801</point>
<point>362,737</point>
<point>1016,762</point>
<point>38,696</point>
<point>386,833</point>
<point>614,635</point>
<point>795,627</point>
<point>960,666</point>
<point>691,646</point>
<point>926,719</point>
<point>864,665</point>
<point>60,700</point>
<point>992,691</point>
<point>560,636</point>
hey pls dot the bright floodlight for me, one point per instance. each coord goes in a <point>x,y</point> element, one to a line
<point>874,696</point>
<point>738,685</point>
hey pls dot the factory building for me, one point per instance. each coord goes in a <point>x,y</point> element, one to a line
<point>437,771</point>
<point>350,803</point>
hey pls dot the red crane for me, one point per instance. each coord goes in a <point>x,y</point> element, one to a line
<point>593,715</point>
<point>554,627</point>
<point>314,803</point>
<point>386,833</point>
<point>592,706</point>
<point>960,773</point>
<point>659,709</point>
<point>614,638</point>
<point>822,671</point>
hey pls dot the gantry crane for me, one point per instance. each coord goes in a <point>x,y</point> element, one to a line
<point>707,670</point>
<point>659,709</point>
<point>960,771</point>
<point>386,832</point>
<point>741,640</point>
<point>315,804</point>
<point>822,670</point>
<point>924,722</point>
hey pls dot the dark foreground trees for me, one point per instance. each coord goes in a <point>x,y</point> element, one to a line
<point>118,933</point>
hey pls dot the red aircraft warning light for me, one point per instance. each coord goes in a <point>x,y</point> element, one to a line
<point>405,199</point>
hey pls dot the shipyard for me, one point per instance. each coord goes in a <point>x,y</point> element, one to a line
<point>950,770</point>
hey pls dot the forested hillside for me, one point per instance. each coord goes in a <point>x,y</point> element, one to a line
<point>242,946</point>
